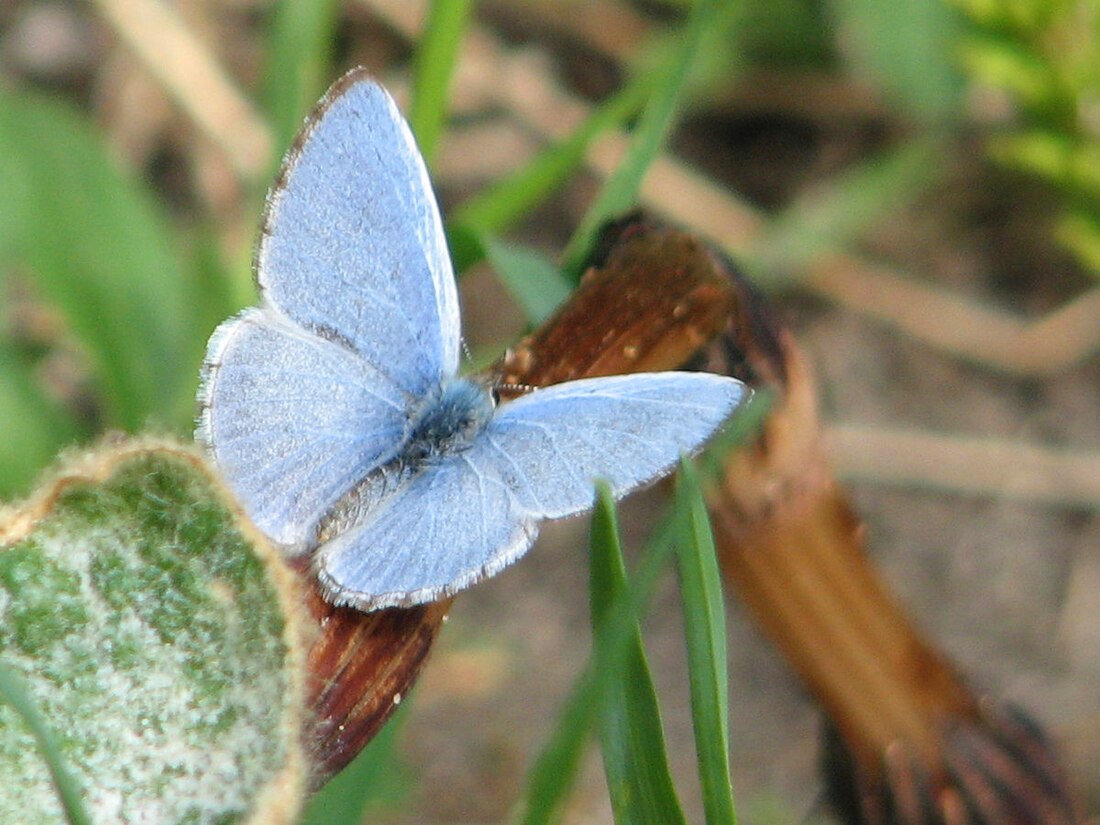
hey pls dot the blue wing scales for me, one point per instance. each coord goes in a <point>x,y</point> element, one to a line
<point>352,246</point>
<point>293,421</point>
<point>549,446</point>
<point>449,527</point>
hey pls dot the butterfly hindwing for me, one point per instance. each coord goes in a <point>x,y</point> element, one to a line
<point>452,525</point>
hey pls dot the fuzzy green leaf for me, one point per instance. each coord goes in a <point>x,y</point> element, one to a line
<point>151,630</point>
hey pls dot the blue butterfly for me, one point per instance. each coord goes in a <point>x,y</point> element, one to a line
<point>335,411</point>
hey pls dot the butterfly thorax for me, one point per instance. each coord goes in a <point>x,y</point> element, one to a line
<point>448,422</point>
<point>444,424</point>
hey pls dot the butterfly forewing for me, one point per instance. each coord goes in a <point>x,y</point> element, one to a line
<point>352,246</point>
<point>627,430</point>
<point>303,397</point>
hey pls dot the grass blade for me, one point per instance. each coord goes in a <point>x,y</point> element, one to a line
<point>836,213</point>
<point>299,60</point>
<point>635,761</point>
<point>14,694</point>
<point>43,428</point>
<point>435,60</point>
<point>498,208</point>
<point>648,139</point>
<point>100,251</point>
<point>554,772</point>
<point>373,779</point>
<point>746,422</point>
<point>908,47</point>
<point>533,281</point>
<point>705,632</point>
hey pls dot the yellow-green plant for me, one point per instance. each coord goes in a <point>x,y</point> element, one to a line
<point>1044,56</point>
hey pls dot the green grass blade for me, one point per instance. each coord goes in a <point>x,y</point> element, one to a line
<point>620,190</point>
<point>909,48</point>
<point>13,692</point>
<point>435,60</point>
<point>102,253</point>
<point>705,633</point>
<point>498,208</point>
<point>745,422</point>
<point>554,771</point>
<point>533,281</point>
<point>299,62</point>
<point>635,761</point>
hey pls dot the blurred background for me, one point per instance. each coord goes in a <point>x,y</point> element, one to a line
<point>915,184</point>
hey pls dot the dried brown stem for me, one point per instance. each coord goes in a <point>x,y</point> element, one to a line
<point>187,69</point>
<point>913,743</point>
<point>793,548</point>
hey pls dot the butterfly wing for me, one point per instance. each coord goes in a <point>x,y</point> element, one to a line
<point>549,446</point>
<point>467,516</point>
<point>304,396</point>
<point>450,526</point>
<point>352,247</point>
<point>292,420</point>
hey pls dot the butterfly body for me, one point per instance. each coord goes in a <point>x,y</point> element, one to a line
<point>450,422</point>
<point>335,411</point>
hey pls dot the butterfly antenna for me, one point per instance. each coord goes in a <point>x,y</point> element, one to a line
<point>520,389</point>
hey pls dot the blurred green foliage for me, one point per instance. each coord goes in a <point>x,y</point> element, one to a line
<point>1043,56</point>
<point>90,243</point>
